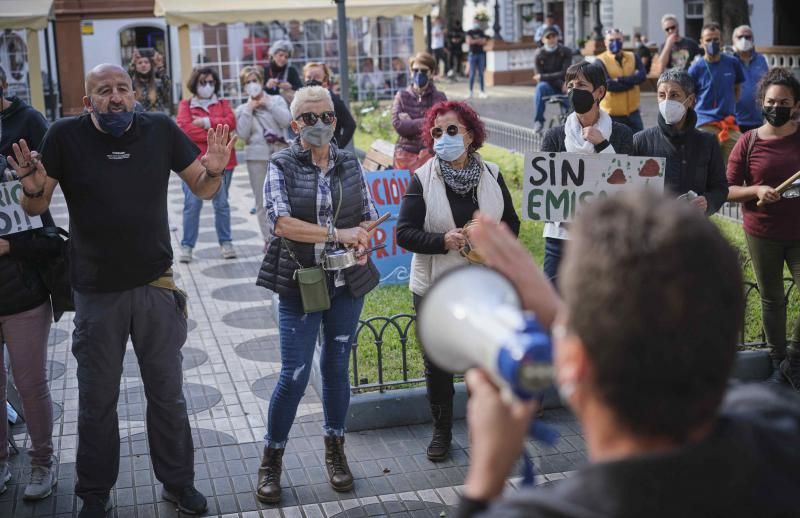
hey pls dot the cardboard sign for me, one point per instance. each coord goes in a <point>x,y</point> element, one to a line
<point>387,188</point>
<point>556,185</point>
<point>12,218</point>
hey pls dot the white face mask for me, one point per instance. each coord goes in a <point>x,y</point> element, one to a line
<point>672,111</point>
<point>205,91</point>
<point>253,89</point>
<point>743,44</point>
<point>550,48</point>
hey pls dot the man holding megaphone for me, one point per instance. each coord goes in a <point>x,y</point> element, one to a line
<point>644,343</point>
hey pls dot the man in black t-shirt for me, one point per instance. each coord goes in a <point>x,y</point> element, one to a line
<point>677,52</point>
<point>455,43</point>
<point>113,166</point>
<point>477,39</point>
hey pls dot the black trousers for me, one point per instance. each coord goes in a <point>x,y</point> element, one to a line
<point>439,383</point>
<point>154,321</point>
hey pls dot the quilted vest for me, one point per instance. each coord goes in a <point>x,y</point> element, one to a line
<point>301,176</point>
<point>620,104</point>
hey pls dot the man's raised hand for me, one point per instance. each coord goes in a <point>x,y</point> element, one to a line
<point>28,168</point>
<point>220,147</point>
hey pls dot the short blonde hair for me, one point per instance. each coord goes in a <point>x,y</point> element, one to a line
<point>325,70</point>
<point>258,70</point>
<point>309,94</point>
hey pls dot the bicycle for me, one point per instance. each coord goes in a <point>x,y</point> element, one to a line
<point>558,119</point>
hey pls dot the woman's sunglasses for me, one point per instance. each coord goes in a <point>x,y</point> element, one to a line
<point>437,133</point>
<point>310,118</point>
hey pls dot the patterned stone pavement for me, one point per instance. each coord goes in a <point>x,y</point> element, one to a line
<point>231,364</point>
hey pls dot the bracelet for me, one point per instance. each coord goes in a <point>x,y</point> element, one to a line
<point>33,195</point>
<point>213,175</point>
<point>601,146</point>
<point>335,234</point>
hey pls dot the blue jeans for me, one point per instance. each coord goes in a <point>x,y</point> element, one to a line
<point>298,331</point>
<point>477,64</point>
<point>544,89</point>
<point>632,120</point>
<point>553,250</point>
<point>222,213</point>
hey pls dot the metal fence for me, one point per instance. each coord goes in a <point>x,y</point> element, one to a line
<point>517,139</point>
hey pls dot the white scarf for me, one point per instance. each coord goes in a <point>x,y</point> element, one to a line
<point>574,141</point>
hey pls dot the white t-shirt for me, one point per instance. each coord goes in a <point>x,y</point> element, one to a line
<point>437,37</point>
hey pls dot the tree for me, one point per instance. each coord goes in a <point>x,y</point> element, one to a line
<point>729,14</point>
<point>451,10</point>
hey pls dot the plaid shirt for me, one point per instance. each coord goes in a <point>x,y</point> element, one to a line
<point>276,199</point>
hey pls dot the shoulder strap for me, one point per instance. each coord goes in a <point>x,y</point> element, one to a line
<point>751,141</point>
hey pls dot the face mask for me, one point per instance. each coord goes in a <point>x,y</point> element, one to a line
<point>449,148</point>
<point>205,91</point>
<point>712,48</point>
<point>672,111</point>
<point>614,46</point>
<point>777,115</point>
<point>743,44</point>
<point>113,123</point>
<point>313,82</point>
<point>318,134</point>
<point>550,48</point>
<point>581,100</point>
<point>253,89</point>
<point>421,79</point>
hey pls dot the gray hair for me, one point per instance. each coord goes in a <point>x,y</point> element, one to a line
<point>309,94</point>
<point>741,28</point>
<point>678,76</point>
<point>669,17</point>
<point>281,45</point>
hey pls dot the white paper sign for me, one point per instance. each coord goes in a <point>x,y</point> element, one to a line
<point>12,218</point>
<point>555,185</point>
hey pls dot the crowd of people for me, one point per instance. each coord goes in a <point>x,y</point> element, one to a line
<point>647,380</point>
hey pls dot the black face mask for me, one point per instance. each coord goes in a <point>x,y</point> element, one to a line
<point>581,100</point>
<point>313,82</point>
<point>777,115</point>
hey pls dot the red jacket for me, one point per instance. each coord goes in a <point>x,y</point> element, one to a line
<point>219,112</point>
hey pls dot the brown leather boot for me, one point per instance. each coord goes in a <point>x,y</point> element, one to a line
<point>336,461</point>
<point>268,490</point>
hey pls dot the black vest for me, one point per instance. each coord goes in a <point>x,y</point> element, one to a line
<point>301,176</point>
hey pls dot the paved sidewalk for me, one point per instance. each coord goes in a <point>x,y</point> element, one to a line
<point>231,365</point>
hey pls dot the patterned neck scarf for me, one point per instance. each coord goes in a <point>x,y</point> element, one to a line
<point>461,181</point>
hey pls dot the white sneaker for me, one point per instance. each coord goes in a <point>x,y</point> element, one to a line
<point>5,476</point>
<point>483,95</point>
<point>41,482</point>
<point>186,254</point>
<point>227,250</point>
<point>470,95</point>
<point>538,127</point>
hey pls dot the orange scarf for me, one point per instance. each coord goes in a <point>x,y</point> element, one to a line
<point>725,125</point>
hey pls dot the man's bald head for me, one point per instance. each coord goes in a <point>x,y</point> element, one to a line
<point>103,71</point>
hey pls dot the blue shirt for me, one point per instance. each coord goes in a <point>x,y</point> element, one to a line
<point>714,87</point>
<point>748,109</point>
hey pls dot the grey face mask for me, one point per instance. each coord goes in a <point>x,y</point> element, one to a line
<point>318,134</point>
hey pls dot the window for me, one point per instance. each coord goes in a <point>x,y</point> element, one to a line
<point>694,9</point>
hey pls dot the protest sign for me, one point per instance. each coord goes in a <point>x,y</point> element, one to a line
<point>12,218</point>
<point>387,188</point>
<point>556,185</point>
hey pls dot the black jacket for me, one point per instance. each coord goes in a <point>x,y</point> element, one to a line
<point>694,160</point>
<point>621,139</point>
<point>552,66</point>
<point>747,467</point>
<point>345,124</point>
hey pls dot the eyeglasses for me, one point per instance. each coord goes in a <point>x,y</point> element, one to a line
<point>670,28</point>
<point>420,70</point>
<point>210,82</point>
<point>311,118</point>
<point>451,130</point>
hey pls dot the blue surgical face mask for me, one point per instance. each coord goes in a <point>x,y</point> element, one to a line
<point>614,46</point>
<point>449,148</point>
<point>421,79</point>
<point>712,48</point>
<point>113,123</point>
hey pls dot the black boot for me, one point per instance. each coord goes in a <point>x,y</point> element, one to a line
<point>790,369</point>
<point>268,490</point>
<point>336,461</point>
<point>442,432</point>
<point>776,378</point>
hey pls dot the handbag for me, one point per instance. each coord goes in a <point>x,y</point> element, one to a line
<point>54,272</point>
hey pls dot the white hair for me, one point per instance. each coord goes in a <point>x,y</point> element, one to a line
<point>309,94</point>
<point>669,17</point>
<point>742,28</point>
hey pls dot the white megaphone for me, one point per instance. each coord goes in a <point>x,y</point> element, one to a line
<point>472,317</point>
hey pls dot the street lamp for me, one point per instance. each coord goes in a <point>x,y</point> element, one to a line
<point>344,78</point>
<point>496,26</point>
<point>598,28</point>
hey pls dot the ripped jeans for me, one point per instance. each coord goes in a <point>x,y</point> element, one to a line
<point>298,332</point>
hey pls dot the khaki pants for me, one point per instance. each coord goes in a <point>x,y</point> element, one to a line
<point>726,146</point>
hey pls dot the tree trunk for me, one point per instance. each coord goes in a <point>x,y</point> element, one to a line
<point>451,10</point>
<point>734,14</point>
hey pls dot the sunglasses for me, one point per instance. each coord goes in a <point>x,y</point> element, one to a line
<point>451,130</point>
<point>670,28</point>
<point>420,70</point>
<point>310,118</point>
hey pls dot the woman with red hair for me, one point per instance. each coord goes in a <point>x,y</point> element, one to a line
<point>440,200</point>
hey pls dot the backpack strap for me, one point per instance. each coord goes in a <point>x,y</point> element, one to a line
<point>752,136</point>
